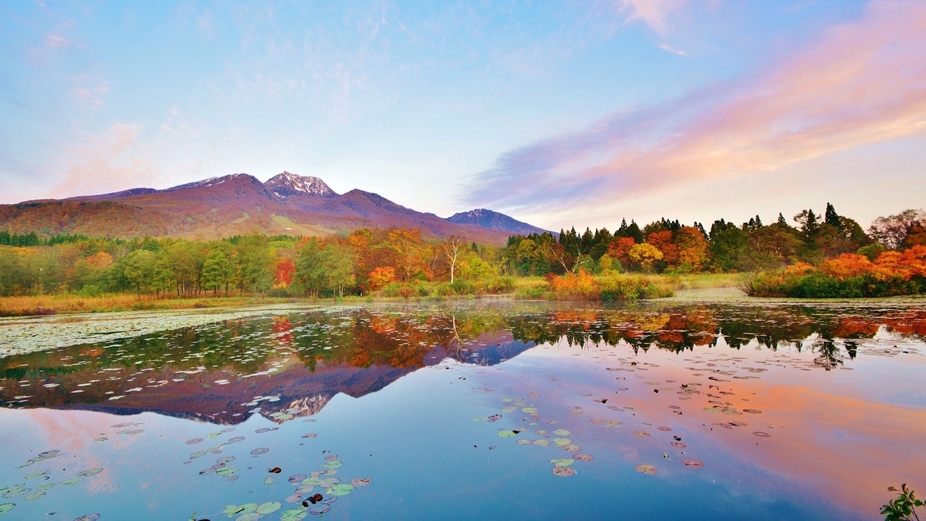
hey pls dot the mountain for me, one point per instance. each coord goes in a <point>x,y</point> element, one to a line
<point>235,204</point>
<point>494,221</point>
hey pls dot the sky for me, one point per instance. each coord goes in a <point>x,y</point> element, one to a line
<point>562,114</point>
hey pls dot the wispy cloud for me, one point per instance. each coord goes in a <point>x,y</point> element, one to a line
<point>654,13</point>
<point>857,84</point>
<point>107,162</point>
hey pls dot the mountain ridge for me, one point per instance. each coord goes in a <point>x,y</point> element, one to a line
<point>238,204</point>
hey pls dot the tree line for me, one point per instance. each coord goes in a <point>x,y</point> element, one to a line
<point>394,261</point>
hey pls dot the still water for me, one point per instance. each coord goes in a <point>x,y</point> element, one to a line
<point>477,410</point>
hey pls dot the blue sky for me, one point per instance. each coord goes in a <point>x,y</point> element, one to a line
<point>558,113</point>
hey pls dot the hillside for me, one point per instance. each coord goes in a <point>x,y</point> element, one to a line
<point>233,205</point>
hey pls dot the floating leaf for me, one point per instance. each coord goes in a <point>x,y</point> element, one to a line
<point>268,481</point>
<point>6,507</point>
<point>226,471</point>
<point>561,432</point>
<point>296,478</point>
<point>360,482</point>
<point>564,472</point>
<point>263,430</point>
<point>319,509</point>
<point>341,489</point>
<point>583,457</point>
<point>259,451</point>
<point>44,487</point>
<point>35,495</point>
<point>34,475</point>
<point>328,482</point>
<point>571,448</point>
<point>333,464</point>
<point>88,517</point>
<point>529,410</point>
<point>542,443</point>
<point>194,441</point>
<point>331,457</point>
<point>612,423</point>
<point>645,469</point>
<point>293,514</point>
<point>641,434</point>
<point>70,482</point>
<point>236,439</point>
<point>761,434</point>
<point>541,433</point>
<point>679,444</point>
<point>562,441</point>
<point>692,463</point>
<point>752,411</point>
<point>250,516</point>
<point>506,433</point>
<point>509,409</point>
<point>665,429</point>
<point>562,462</point>
<point>90,472</point>
<point>269,508</point>
<point>310,435</point>
<point>525,441</point>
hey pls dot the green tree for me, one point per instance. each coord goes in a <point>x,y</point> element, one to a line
<point>217,271</point>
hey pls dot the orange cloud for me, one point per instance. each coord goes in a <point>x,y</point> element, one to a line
<point>856,85</point>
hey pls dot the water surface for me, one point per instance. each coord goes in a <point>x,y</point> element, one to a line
<point>475,410</point>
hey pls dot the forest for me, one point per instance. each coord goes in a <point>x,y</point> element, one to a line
<point>826,255</point>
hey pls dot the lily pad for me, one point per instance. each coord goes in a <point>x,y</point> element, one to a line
<point>90,472</point>
<point>529,410</point>
<point>33,496</point>
<point>692,463</point>
<point>525,441</point>
<point>679,444</point>
<point>269,508</point>
<point>319,509</point>
<point>341,489</point>
<point>504,433</point>
<point>41,474</point>
<point>70,482</point>
<point>752,411</point>
<point>250,516</point>
<point>268,481</point>
<point>88,517</point>
<point>296,478</point>
<point>231,510</point>
<point>236,439</point>
<point>564,472</point>
<point>645,469</point>
<point>293,514</point>
<point>761,434</point>
<point>571,448</point>
<point>509,409</point>
<point>641,434</point>
<point>259,451</point>
<point>542,443</point>
<point>310,435</point>
<point>194,441</point>
<point>43,488</point>
<point>6,507</point>
<point>562,462</point>
<point>561,432</point>
<point>360,482</point>
<point>328,482</point>
<point>583,457</point>
<point>333,464</point>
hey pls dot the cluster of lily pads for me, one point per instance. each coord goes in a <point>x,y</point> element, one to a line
<point>32,493</point>
<point>314,494</point>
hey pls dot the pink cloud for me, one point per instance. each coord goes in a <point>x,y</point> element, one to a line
<point>106,163</point>
<point>651,12</point>
<point>856,85</point>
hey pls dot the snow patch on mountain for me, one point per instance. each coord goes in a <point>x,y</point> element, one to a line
<point>287,184</point>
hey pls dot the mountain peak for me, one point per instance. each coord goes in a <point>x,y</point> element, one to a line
<point>286,184</point>
<point>494,221</point>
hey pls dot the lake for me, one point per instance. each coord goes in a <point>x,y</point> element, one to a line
<point>469,410</point>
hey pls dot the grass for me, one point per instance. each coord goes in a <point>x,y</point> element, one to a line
<point>70,303</point>
<point>627,286</point>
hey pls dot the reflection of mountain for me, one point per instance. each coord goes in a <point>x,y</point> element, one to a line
<point>296,391</point>
<point>292,365</point>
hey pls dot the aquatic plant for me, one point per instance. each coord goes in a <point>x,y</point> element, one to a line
<point>904,507</point>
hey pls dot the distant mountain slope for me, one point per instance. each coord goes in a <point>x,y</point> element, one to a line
<point>231,205</point>
<point>494,221</point>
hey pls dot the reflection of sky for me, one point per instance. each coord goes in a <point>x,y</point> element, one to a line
<point>833,441</point>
